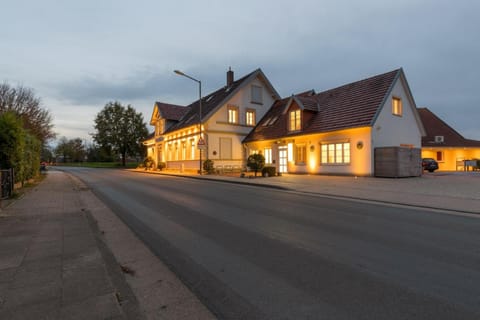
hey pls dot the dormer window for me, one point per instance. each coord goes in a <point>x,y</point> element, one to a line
<point>397,106</point>
<point>295,120</point>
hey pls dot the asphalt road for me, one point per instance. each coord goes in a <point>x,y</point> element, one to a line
<point>256,253</point>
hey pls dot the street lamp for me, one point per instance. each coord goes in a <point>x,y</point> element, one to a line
<point>200,107</point>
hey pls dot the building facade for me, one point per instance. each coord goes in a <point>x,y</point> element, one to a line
<point>228,115</point>
<point>337,131</point>
<point>449,148</point>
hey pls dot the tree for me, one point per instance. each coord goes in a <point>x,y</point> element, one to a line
<point>120,128</point>
<point>72,150</point>
<point>19,149</point>
<point>23,102</point>
<point>12,141</point>
<point>256,162</point>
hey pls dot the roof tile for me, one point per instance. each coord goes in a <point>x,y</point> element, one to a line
<point>352,105</point>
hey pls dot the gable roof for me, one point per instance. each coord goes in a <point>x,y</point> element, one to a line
<point>434,126</point>
<point>349,106</point>
<point>213,101</point>
<point>168,111</point>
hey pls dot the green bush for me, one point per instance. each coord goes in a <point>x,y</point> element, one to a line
<point>161,165</point>
<point>256,162</point>
<point>269,171</point>
<point>148,163</point>
<point>208,166</point>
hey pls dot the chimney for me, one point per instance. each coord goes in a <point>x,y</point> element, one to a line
<point>229,77</point>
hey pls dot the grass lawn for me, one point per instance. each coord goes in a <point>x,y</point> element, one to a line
<point>116,165</point>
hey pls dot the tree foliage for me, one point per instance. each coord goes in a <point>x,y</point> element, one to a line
<point>120,128</point>
<point>72,150</point>
<point>23,102</point>
<point>256,162</point>
<point>19,149</point>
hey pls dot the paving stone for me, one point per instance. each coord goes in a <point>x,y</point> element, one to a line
<point>7,275</point>
<point>49,310</point>
<point>81,284</point>
<point>98,307</point>
<point>44,249</point>
<point>25,296</point>
<point>36,277</point>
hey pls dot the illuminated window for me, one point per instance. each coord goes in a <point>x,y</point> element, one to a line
<point>192,150</point>
<point>300,154</point>
<point>176,151</point>
<point>290,152</point>
<point>184,150</point>
<point>170,153</point>
<point>257,95</point>
<point>295,120</point>
<point>335,153</point>
<point>268,155</point>
<point>397,106</point>
<point>232,114</point>
<point>250,117</point>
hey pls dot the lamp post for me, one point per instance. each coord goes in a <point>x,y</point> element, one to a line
<point>200,107</point>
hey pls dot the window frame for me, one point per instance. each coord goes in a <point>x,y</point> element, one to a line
<point>268,155</point>
<point>253,117</point>
<point>295,120</point>
<point>256,94</point>
<point>300,154</point>
<point>335,153</point>
<point>233,114</point>
<point>397,106</point>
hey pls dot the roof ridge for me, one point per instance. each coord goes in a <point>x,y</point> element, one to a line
<point>359,81</point>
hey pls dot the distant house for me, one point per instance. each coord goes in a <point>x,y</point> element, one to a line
<point>228,115</point>
<point>446,145</point>
<point>338,130</point>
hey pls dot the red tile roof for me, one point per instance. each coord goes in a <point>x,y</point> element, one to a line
<point>353,105</point>
<point>171,111</point>
<point>211,102</point>
<point>434,126</point>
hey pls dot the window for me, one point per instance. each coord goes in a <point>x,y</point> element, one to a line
<point>300,154</point>
<point>397,106</point>
<point>225,148</point>
<point>268,155</point>
<point>439,155</point>
<point>170,158</point>
<point>257,95</point>
<point>250,117</point>
<point>192,150</point>
<point>335,153</point>
<point>176,151</point>
<point>232,114</point>
<point>184,150</point>
<point>295,121</point>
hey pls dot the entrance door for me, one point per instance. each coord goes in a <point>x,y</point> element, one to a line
<point>282,159</point>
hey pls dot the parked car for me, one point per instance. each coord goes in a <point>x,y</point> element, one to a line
<point>429,164</point>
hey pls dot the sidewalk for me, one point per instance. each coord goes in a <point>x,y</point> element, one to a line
<point>64,255</point>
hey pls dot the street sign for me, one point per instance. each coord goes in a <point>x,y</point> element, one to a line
<point>201,145</point>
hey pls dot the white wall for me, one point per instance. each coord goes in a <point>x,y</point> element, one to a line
<point>391,130</point>
<point>242,99</point>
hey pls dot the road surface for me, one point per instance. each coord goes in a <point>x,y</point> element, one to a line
<point>257,253</point>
